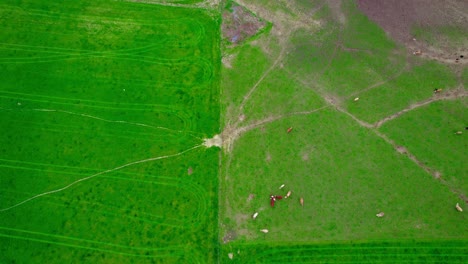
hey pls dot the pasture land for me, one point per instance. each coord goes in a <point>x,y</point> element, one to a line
<point>436,125</point>
<point>104,105</point>
<point>392,150</point>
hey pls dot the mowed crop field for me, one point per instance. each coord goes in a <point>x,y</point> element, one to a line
<point>104,106</point>
<point>368,135</point>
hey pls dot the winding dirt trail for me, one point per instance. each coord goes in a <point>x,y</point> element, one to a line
<point>449,95</point>
<point>232,132</point>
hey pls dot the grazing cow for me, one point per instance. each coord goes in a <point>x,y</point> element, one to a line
<point>356,99</point>
<point>301,201</point>
<point>381,214</point>
<point>273,199</point>
<point>459,209</point>
<point>289,130</point>
<point>437,90</point>
<point>264,230</point>
<point>255,215</point>
<point>281,187</point>
<point>287,195</point>
<point>458,133</point>
<point>418,52</point>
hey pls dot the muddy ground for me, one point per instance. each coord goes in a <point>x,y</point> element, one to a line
<point>239,24</point>
<point>399,17</point>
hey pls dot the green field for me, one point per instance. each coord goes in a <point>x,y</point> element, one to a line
<point>113,98</point>
<point>105,107</point>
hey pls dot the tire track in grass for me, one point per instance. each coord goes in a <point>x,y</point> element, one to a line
<point>99,104</point>
<point>93,244</point>
<point>63,55</point>
<point>360,253</point>
<point>190,133</point>
<point>51,15</point>
<point>196,192</point>
<point>178,112</point>
<point>98,174</point>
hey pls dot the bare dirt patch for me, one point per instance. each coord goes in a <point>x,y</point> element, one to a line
<point>230,236</point>
<point>215,141</point>
<point>401,150</point>
<point>399,18</point>
<point>239,24</point>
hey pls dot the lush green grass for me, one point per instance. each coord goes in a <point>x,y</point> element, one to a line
<point>428,133</point>
<point>87,89</point>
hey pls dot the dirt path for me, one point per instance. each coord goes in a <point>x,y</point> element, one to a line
<point>265,74</point>
<point>437,175</point>
<point>449,95</point>
<point>389,79</point>
<point>230,134</point>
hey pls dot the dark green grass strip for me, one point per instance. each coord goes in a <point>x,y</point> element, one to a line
<point>378,252</point>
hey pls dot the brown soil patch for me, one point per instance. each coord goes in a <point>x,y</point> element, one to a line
<point>399,17</point>
<point>239,24</point>
<point>401,150</point>
<point>230,236</point>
